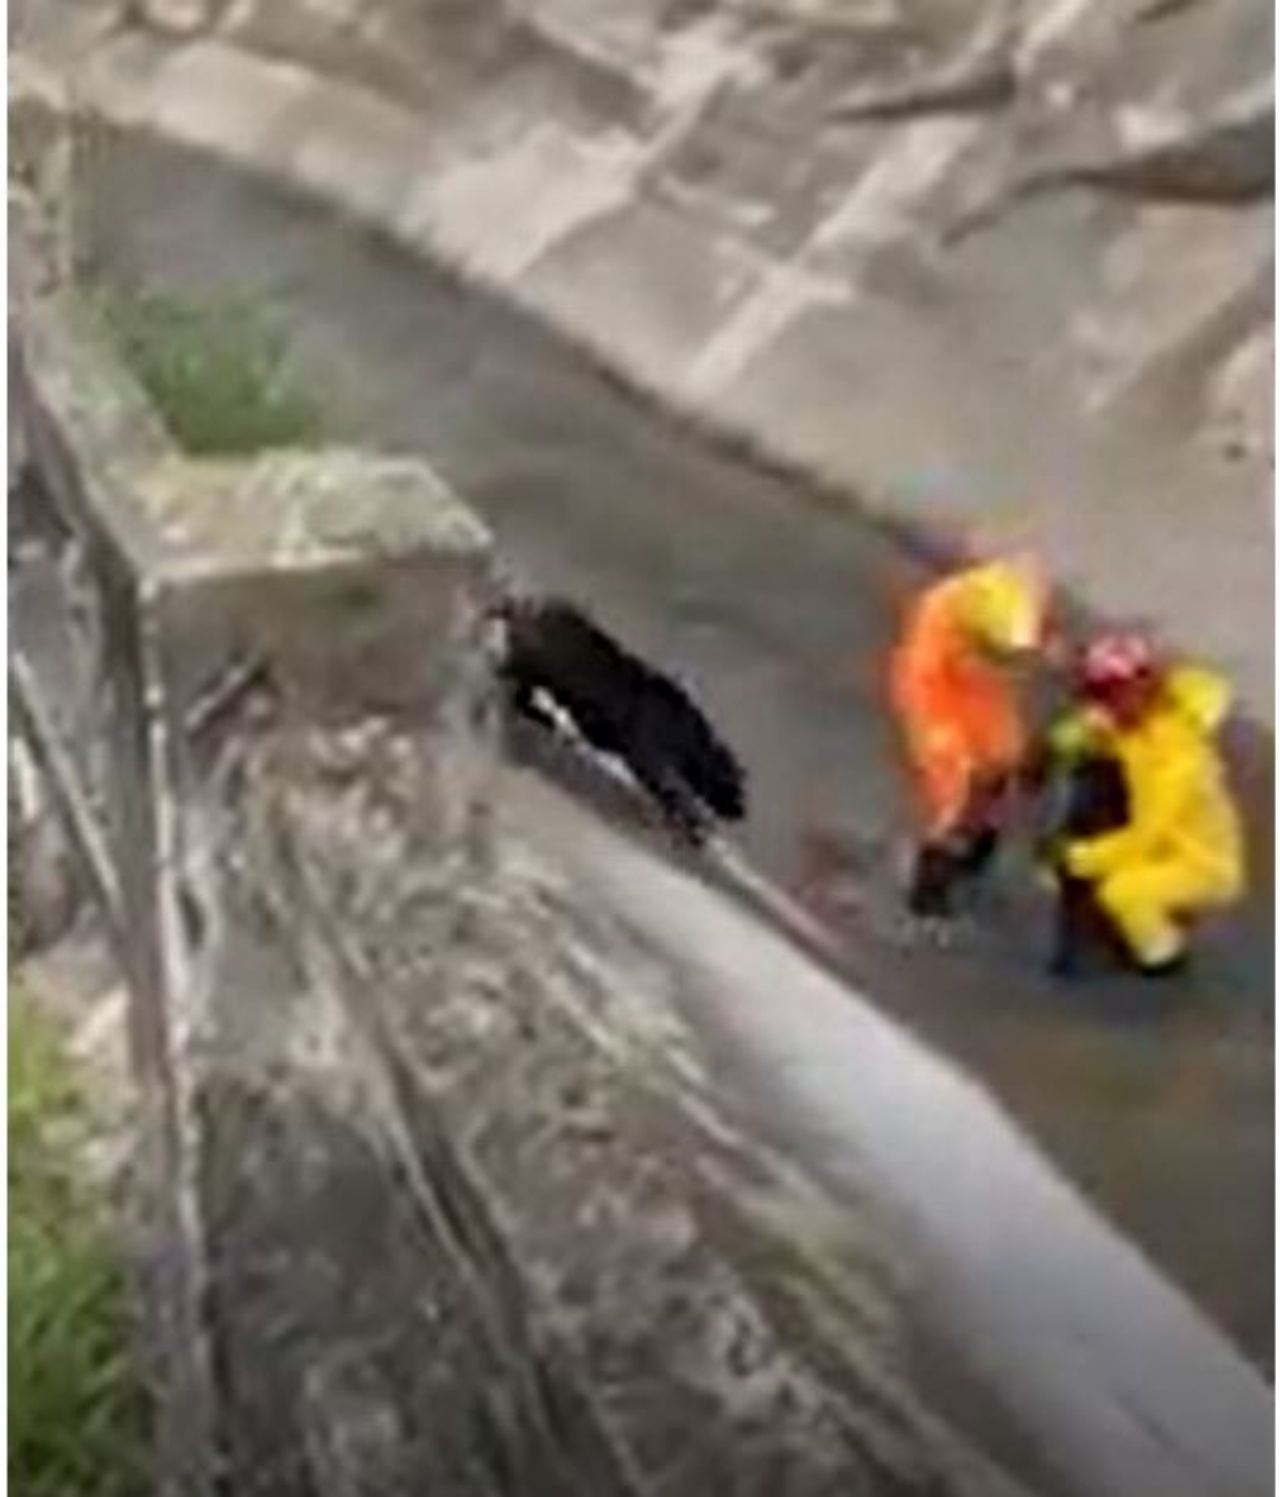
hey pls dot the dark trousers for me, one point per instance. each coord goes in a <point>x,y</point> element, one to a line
<point>942,866</point>
<point>1096,801</point>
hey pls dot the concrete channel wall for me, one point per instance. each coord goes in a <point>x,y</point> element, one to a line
<point>432,1194</point>
<point>997,269</point>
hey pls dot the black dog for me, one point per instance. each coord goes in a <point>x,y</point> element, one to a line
<point>622,707</point>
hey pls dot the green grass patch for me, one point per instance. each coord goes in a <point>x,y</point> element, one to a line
<point>74,1411</point>
<point>217,372</point>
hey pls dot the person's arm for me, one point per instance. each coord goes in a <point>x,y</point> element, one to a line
<point>1072,735</point>
<point>1161,810</point>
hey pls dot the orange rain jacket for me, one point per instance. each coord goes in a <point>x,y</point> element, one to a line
<point>958,710</point>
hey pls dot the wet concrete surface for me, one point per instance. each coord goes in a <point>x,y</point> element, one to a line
<point>1114,1384</point>
<point>777,611</point>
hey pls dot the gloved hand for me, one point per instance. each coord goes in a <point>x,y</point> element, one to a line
<point>1075,859</point>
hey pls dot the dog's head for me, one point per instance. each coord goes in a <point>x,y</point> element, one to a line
<point>510,604</point>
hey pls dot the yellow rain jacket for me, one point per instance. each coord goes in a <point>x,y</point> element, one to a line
<point>1183,848</point>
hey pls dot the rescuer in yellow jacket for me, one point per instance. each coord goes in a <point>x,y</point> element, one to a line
<point>1181,851</point>
<point>959,710</point>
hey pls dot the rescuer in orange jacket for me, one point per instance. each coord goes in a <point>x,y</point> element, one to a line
<point>958,706</point>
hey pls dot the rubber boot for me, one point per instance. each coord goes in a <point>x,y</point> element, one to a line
<point>932,885</point>
<point>1174,966</point>
<point>1077,929</point>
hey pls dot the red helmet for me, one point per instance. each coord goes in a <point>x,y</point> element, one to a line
<point>1119,669</point>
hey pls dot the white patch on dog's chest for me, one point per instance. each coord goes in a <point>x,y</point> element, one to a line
<point>559,715</point>
<point>566,726</point>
